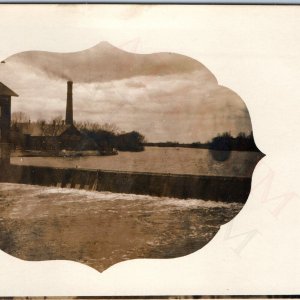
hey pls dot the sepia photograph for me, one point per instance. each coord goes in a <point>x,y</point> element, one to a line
<point>109,155</point>
<point>149,151</point>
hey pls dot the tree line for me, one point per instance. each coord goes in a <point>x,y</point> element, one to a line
<point>222,142</point>
<point>109,135</point>
<point>105,135</point>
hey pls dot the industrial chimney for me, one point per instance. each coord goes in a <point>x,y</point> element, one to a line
<point>69,109</point>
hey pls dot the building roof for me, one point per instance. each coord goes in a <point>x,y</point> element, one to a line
<point>5,91</point>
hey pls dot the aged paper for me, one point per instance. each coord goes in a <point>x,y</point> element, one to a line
<point>252,54</point>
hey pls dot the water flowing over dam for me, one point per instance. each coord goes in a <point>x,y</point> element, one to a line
<point>170,172</point>
<point>228,189</point>
<point>103,228</point>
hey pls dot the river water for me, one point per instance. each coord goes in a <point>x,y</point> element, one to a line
<point>101,228</point>
<point>157,160</point>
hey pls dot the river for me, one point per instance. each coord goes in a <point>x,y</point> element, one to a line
<point>102,228</point>
<point>157,160</point>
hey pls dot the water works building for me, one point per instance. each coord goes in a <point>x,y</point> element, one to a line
<point>55,136</point>
<point>5,120</point>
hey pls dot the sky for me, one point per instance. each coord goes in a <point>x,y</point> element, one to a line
<point>164,96</point>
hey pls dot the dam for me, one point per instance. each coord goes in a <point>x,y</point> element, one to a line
<point>167,172</point>
<point>218,188</point>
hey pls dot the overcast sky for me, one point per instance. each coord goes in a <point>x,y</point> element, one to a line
<point>181,106</point>
<point>182,102</point>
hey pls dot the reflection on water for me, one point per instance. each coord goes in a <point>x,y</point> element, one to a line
<point>100,229</point>
<point>159,160</point>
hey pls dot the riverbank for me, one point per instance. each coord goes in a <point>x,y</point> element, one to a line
<point>63,153</point>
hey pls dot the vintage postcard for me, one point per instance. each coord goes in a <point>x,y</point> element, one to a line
<point>142,150</point>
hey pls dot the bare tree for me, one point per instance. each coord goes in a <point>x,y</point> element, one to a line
<point>51,128</point>
<point>42,124</point>
<point>110,127</point>
<point>58,124</point>
<point>19,117</point>
<point>94,126</point>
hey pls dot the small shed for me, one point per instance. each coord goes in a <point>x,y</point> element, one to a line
<point>5,120</point>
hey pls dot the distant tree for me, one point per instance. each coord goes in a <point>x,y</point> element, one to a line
<point>19,117</point>
<point>110,127</point>
<point>94,127</point>
<point>56,126</point>
<point>222,142</point>
<point>104,139</point>
<point>42,124</point>
<point>131,141</point>
<point>87,125</point>
<point>226,142</point>
<point>51,128</point>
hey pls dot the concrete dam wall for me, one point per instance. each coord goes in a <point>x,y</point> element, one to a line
<point>218,188</point>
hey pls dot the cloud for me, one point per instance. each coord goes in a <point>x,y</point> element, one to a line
<point>105,62</point>
<point>184,107</point>
<point>135,84</point>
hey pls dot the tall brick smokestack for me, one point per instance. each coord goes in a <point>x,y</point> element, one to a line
<point>69,109</point>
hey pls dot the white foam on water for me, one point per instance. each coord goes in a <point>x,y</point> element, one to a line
<point>75,195</point>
